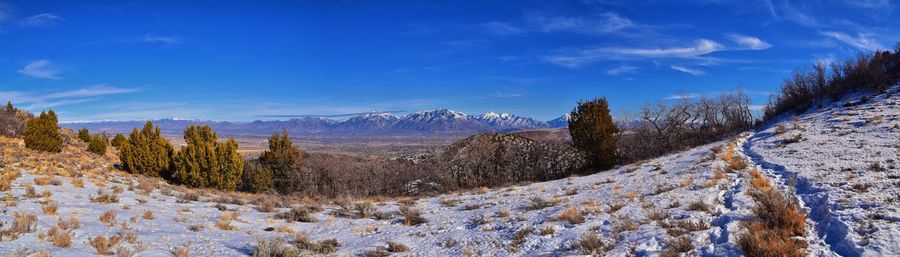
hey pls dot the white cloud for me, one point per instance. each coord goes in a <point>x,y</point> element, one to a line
<point>43,100</point>
<point>582,57</point>
<point>861,41</point>
<point>41,20</point>
<point>749,42</point>
<point>606,23</point>
<point>42,69</point>
<point>687,70</point>
<point>508,95</point>
<point>682,96</point>
<point>501,28</point>
<point>621,70</point>
<point>149,38</point>
<point>96,90</point>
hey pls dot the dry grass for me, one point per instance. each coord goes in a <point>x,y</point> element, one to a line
<point>571,215</point>
<point>77,182</point>
<point>7,177</point>
<point>685,182</point>
<point>196,227</point>
<point>268,204</point>
<point>614,207</point>
<point>590,244</point>
<point>625,225</point>
<point>50,208</point>
<point>297,214</point>
<point>327,246</point>
<point>105,245</point>
<point>758,181</point>
<point>224,224</point>
<point>699,205</point>
<point>547,230</point>
<point>105,197</point>
<point>449,202</point>
<point>42,180</point>
<point>22,223</point>
<point>657,214</point>
<point>396,247</point>
<point>677,246</point>
<point>411,216</point>
<point>521,234</point>
<point>71,222</point>
<point>60,237</point>
<point>538,203</point>
<point>108,218</point>
<point>774,233</point>
<point>183,250</point>
<point>692,225</point>
<point>273,247</point>
<point>763,242</point>
<point>779,212</point>
<point>148,215</point>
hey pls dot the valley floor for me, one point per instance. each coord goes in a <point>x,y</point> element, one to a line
<point>691,202</point>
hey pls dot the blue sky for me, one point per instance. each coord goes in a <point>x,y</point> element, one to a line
<point>243,60</point>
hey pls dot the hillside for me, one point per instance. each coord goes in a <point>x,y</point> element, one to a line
<point>843,165</point>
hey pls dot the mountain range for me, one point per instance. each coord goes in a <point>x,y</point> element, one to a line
<point>421,123</point>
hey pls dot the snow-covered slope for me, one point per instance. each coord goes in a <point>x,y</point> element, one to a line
<point>633,209</point>
<point>846,160</point>
<point>690,201</point>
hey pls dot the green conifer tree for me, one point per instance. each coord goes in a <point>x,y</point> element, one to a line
<point>42,133</point>
<point>97,144</point>
<point>118,141</point>
<point>594,133</point>
<point>284,161</point>
<point>147,152</point>
<point>84,135</point>
<point>205,162</point>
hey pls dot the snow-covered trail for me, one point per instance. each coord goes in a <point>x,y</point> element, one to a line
<point>830,237</point>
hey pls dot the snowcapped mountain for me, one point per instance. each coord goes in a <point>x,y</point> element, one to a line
<point>376,121</point>
<point>505,121</point>
<point>443,121</point>
<point>561,122</point>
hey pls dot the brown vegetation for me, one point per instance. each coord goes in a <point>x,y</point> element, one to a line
<point>873,72</point>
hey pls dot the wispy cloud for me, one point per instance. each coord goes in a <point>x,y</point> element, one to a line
<point>862,41</point>
<point>605,23</point>
<point>683,96</point>
<point>150,38</point>
<point>797,15</point>
<point>752,43</point>
<point>508,94</point>
<point>687,70</point>
<point>96,90</point>
<point>41,20</point>
<point>582,57</point>
<point>502,28</point>
<point>42,69</point>
<point>43,100</point>
<point>621,70</point>
<point>871,4</point>
<point>516,80</point>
